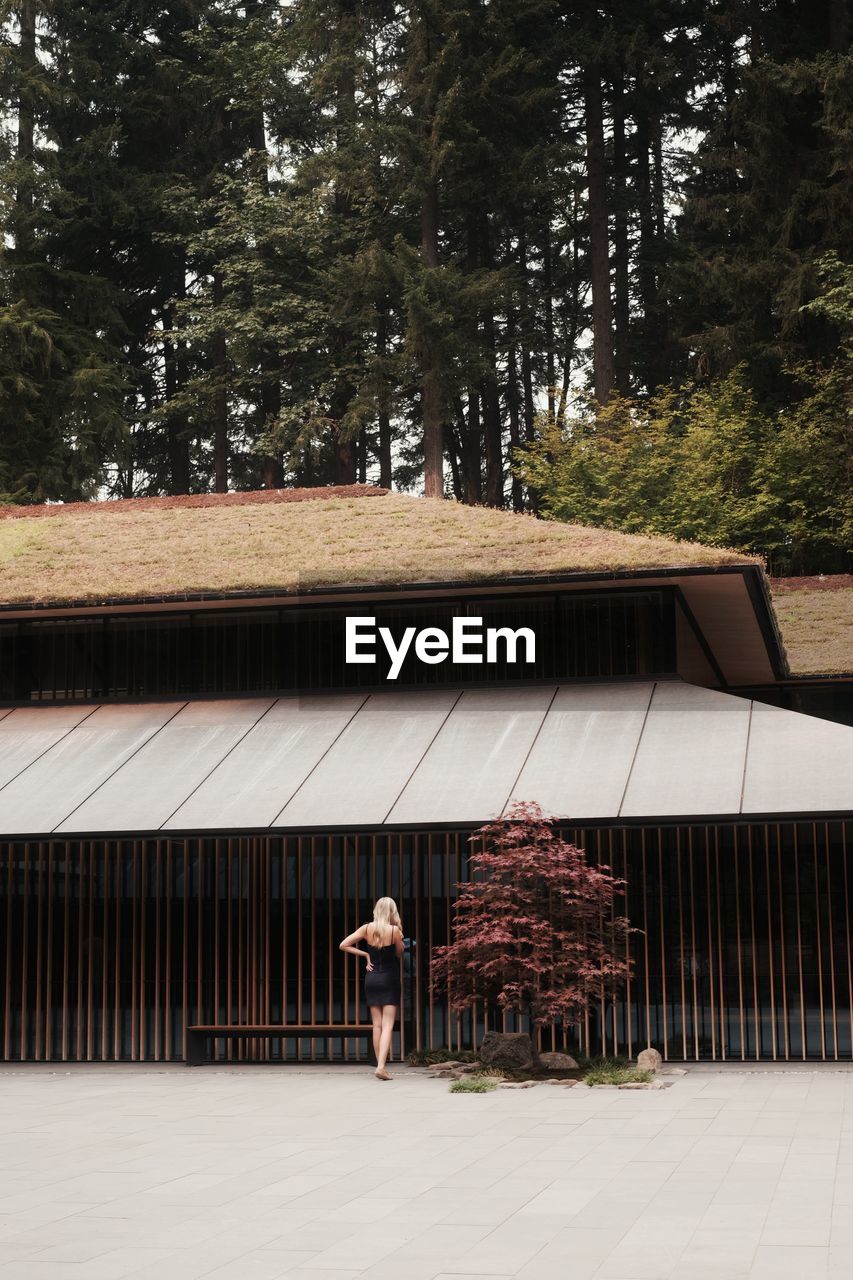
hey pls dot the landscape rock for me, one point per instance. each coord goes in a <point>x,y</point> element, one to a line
<point>553,1061</point>
<point>636,1084</point>
<point>649,1060</point>
<point>673,1071</point>
<point>506,1049</point>
<point>517,1084</point>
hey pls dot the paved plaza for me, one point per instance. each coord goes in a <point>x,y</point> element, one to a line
<point>325,1174</point>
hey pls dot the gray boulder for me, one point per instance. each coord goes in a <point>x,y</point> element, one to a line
<point>553,1061</point>
<point>512,1050</point>
<point>649,1060</point>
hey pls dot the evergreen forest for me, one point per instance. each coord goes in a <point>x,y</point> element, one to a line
<point>589,261</point>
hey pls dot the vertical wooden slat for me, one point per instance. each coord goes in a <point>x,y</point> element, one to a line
<point>7,999</point>
<point>756,1013</point>
<point>25,948</point>
<point>185,947</point>
<point>217,907</point>
<point>720,952</point>
<point>782,945</point>
<point>39,951</point>
<point>431,941</point>
<point>268,909</point>
<point>105,966</point>
<point>830,933</point>
<point>739,935</point>
<point>694,966</point>
<point>661,914</point>
<point>799,940</point>
<point>48,998</point>
<point>329,940</point>
<point>199,959</point>
<point>679,878</point>
<point>711,967</point>
<point>118,1003</point>
<point>629,1017</point>
<point>645,938</point>
<point>158,963</point>
<point>229,942</point>
<point>299,947</point>
<point>90,972</point>
<point>81,937</point>
<point>819,932</point>
<point>143,951</point>
<point>848,937</point>
<point>168,975</point>
<point>65,950</point>
<point>313,934</point>
<point>771,963</point>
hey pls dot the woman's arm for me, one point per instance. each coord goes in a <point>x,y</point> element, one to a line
<point>348,945</point>
<point>398,941</point>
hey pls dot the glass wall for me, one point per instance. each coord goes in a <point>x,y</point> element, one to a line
<point>111,947</point>
<point>300,648</point>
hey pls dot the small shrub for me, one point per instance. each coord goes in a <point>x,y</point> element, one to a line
<point>599,1061</point>
<point>615,1072</point>
<point>474,1084</point>
<point>430,1057</point>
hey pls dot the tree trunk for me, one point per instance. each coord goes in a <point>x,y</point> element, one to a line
<point>452,451</point>
<point>492,427</point>
<point>548,288</point>
<point>383,415</point>
<point>431,389</point>
<point>839,25</point>
<point>176,423</point>
<point>599,239</point>
<point>345,107</point>
<point>650,202</point>
<point>622,300</point>
<point>513,409</point>
<point>25,143</point>
<point>471,449</point>
<point>220,397</point>
<point>272,471</point>
<point>571,337</point>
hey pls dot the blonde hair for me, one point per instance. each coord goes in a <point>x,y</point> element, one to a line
<point>386,916</point>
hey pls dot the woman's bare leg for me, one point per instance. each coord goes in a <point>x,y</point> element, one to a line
<point>389,1017</point>
<point>376,1017</point>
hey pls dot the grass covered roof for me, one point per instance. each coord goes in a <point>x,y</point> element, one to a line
<point>154,547</point>
<point>815,617</point>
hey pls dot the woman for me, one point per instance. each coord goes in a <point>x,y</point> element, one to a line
<point>383,939</point>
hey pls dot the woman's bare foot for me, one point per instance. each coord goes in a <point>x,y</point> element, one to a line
<point>382,1074</point>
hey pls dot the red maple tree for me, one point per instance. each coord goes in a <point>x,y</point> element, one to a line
<point>535,932</point>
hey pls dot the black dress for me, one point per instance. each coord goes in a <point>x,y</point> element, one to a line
<point>382,983</point>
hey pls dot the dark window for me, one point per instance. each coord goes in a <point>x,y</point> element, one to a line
<point>273,649</point>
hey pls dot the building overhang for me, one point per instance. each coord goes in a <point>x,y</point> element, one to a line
<point>727,631</point>
<point>598,752</point>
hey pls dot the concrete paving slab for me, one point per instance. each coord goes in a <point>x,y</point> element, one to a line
<point>270,1173</point>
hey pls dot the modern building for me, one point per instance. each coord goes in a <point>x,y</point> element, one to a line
<point>200,795</point>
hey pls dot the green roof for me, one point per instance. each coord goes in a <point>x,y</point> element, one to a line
<point>106,552</point>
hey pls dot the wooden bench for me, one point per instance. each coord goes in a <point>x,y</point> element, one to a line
<point>200,1034</point>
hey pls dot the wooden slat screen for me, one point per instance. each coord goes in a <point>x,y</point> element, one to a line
<point>110,947</point>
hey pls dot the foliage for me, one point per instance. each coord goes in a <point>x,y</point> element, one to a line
<point>535,932</point>
<point>615,1072</point>
<point>707,463</point>
<point>429,1057</point>
<point>247,243</point>
<point>474,1084</point>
